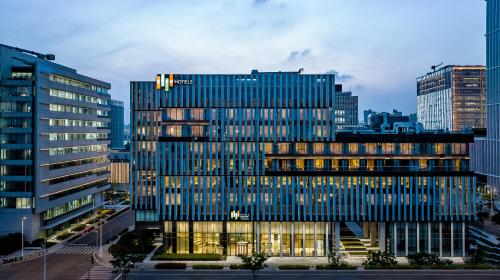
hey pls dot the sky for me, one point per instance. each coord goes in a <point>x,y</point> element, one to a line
<point>377,48</point>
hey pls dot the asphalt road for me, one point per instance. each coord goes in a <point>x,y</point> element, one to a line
<point>62,266</point>
<point>110,229</point>
<point>315,274</point>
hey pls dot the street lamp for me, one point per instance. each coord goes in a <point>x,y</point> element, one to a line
<point>22,237</point>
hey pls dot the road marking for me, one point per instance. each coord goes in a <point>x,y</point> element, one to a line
<point>98,273</point>
<point>77,250</point>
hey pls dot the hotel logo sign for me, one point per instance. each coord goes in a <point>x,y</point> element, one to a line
<point>167,81</point>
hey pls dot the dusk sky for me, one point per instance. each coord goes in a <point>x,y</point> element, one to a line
<point>377,47</point>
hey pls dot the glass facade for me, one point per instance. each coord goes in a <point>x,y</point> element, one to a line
<point>235,164</point>
<point>452,98</point>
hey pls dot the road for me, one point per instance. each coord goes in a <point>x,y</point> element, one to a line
<point>316,274</point>
<point>71,262</point>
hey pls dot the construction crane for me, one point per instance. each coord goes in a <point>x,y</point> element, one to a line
<point>433,67</point>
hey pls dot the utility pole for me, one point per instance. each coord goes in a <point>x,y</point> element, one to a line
<point>22,237</point>
<point>45,259</point>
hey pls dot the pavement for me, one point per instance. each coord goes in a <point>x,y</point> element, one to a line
<point>316,274</point>
<point>73,260</point>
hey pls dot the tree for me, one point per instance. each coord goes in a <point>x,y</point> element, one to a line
<point>122,264</point>
<point>255,263</point>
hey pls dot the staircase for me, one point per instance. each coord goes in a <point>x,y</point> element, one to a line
<point>351,244</point>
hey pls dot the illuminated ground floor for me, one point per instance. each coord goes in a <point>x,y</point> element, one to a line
<point>445,239</point>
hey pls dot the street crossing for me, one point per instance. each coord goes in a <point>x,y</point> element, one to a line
<point>73,249</point>
<point>98,273</point>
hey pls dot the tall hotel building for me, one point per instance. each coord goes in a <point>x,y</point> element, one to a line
<point>452,98</point>
<point>486,157</point>
<point>53,143</point>
<point>235,164</point>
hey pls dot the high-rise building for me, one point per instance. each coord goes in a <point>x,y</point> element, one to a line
<point>486,158</point>
<point>346,108</point>
<point>120,170</point>
<point>117,124</point>
<point>452,98</point>
<point>235,164</point>
<point>53,143</point>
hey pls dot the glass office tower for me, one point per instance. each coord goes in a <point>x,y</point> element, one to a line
<point>235,164</point>
<point>487,150</point>
<point>53,144</point>
<point>452,98</point>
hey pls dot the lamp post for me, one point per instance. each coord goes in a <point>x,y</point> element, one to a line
<point>45,260</point>
<point>22,237</point>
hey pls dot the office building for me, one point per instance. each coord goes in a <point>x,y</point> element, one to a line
<point>116,125</point>
<point>385,122</point>
<point>452,98</point>
<point>235,164</point>
<point>120,170</point>
<point>486,159</point>
<point>53,143</point>
<point>346,109</point>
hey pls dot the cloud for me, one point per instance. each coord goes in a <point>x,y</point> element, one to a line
<point>340,77</point>
<point>295,55</point>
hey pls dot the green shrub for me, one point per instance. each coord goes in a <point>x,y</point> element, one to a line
<point>188,257</point>
<point>108,211</point>
<point>336,259</point>
<point>380,258</point>
<point>208,266</point>
<point>239,266</point>
<point>170,266</point>
<point>63,235</point>
<point>78,227</point>
<point>100,216</point>
<point>331,266</point>
<point>423,258</point>
<point>496,218</point>
<point>294,266</point>
<point>10,243</point>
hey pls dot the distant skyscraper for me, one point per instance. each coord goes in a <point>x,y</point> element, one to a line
<point>53,143</point>
<point>452,98</point>
<point>486,157</point>
<point>346,108</point>
<point>117,123</point>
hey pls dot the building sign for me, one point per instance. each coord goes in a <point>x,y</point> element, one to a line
<point>236,215</point>
<point>167,81</point>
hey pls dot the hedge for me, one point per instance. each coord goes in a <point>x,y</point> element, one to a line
<point>293,266</point>
<point>78,227</point>
<point>63,235</point>
<point>239,266</point>
<point>188,257</point>
<point>170,266</point>
<point>208,266</point>
<point>331,266</point>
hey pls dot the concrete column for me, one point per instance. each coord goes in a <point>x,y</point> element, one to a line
<point>373,234</point>
<point>314,246</point>
<point>292,241</point>
<point>381,236</point>
<point>406,238</point>
<point>366,229</point>
<point>440,239</point>
<point>395,241</point>
<point>303,239</point>
<point>270,240</point>
<point>337,237</point>
<point>452,239</point>
<point>326,238</point>
<point>281,239</point>
<point>418,237</point>
<point>463,239</point>
<point>429,238</point>
<point>258,237</point>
